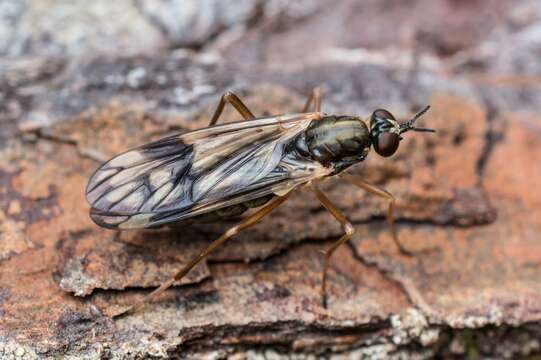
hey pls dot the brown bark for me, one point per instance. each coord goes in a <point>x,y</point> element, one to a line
<point>467,206</point>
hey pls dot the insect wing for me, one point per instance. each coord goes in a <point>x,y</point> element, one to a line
<point>181,176</point>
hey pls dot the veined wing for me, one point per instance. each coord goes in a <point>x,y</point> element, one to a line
<point>185,175</point>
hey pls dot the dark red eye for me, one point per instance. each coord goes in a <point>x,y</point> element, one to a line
<point>386,143</point>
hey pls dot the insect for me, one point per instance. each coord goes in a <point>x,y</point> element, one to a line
<point>222,170</point>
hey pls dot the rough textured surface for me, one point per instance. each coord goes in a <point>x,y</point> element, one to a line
<point>77,87</point>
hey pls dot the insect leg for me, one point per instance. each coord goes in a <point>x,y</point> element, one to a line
<point>348,229</point>
<point>249,221</point>
<point>316,97</point>
<point>237,103</point>
<point>373,189</point>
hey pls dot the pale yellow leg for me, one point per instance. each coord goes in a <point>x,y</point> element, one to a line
<point>236,102</point>
<point>348,229</point>
<point>373,189</point>
<point>316,96</point>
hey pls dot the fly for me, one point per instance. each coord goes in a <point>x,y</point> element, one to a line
<point>222,170</point>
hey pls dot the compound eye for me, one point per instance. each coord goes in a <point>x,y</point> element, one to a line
<point>386,143</point>
<point>383,114</point>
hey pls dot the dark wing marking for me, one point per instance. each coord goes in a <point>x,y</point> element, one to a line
<point>289,174</point>
<point>140,178</point>
<point>185,175</point>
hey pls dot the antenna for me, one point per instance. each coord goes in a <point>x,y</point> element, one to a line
<point>409,124</point>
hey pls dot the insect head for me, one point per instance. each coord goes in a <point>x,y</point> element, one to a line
<point>385,131</point>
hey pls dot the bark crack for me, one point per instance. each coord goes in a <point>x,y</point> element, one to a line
<point>83,151</point>
<point>493,135</point>
<point>406,285</point>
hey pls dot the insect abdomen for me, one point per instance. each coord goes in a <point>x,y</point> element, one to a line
<point>337,140</point>
<point>232,211</point>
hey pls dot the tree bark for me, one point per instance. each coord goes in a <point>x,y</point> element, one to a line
<point>467,208</point>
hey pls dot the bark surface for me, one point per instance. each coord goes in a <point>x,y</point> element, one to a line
<point>468,199</point>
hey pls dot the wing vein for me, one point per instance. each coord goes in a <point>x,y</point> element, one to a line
<point>112,205</point>
<point>139,177</point>
<point>175,184</point>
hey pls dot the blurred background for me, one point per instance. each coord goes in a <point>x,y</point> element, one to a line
<point>62,57</point>
<point>81,81</point>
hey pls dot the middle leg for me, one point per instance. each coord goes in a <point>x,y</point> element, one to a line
<point>316,96</point>
<point>236,102</point>
<point>348,229</point>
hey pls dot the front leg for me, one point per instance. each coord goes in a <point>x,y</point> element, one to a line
<point>382,193</point>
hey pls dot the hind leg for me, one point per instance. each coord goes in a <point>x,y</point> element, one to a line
<point>249,221</point>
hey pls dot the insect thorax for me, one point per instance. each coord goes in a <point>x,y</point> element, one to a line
<point>337,141</point>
